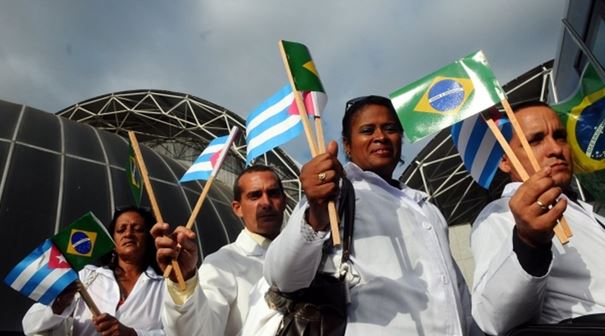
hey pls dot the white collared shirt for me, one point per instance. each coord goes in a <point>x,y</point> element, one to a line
<point>219,304</point>
<point>408,283</point>
<point>140,310</point>
<point>504,295</point>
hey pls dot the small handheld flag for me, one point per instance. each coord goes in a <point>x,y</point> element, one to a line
<point>84,241</point>
<point>478,147</point>
<point>211,158</point>
<point>446,96</point>
<point>42,275</point>
<point>305,76</point>
<point>273,123</point>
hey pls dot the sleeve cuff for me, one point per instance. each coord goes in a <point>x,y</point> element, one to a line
<point>534,260</point>
<point>179,296</point>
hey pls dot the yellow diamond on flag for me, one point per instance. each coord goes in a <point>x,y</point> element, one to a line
<point>81,242</point>
<point>311,67</point>
<point>445,95</point>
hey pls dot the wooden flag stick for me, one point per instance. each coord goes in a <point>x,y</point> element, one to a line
<point>530,154</point>
<point>87,299</point>
<point>334,226</point>
<point>563,238</point>
<point>152,199</point>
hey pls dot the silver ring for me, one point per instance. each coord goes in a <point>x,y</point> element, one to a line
<point>541,205</point>
<point>322,177</point>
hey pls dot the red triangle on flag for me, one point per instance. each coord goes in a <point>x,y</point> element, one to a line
<point>215,157</point>
<point>57,260</point>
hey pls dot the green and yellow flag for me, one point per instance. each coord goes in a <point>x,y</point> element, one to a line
<point>583,115</point>
<point>134,176</point>
<point>305,76</point>
<point>83,241</point>
<point>448,95</point>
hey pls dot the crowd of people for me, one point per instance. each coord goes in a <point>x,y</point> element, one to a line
<point>398,271</point>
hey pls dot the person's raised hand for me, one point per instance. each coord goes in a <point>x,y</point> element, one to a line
<point>179,244</point>
<point>320,178</point>
<point>536,207</point>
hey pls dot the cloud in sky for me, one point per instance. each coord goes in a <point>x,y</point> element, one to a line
<point>56,53</point>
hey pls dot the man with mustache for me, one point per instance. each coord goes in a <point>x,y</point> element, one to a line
<point>522,274</point>
<point>215,301</point>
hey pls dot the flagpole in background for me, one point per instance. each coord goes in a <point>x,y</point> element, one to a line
<point>152,199</point>
<point>233,135</point>
<point>334,221</point>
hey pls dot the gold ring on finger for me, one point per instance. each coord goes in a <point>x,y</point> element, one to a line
<point>322,177</point>
<point>541,205</point>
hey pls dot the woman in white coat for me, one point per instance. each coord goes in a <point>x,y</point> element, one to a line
<point>401,275</point>
<point>127,288</point>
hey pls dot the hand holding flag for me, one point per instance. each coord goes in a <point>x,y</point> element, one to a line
<point>303,76</point>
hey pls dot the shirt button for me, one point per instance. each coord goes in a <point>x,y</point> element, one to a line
<point>427,226</point>
<point>444,279</point>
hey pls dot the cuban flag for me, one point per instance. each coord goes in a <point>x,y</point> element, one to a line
<point>273,123</point>
<point>480,151</point>
<point>42,275</point>
<point>211,159</point>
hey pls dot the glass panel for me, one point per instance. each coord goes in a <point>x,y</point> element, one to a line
<point>27,216</point>
<point>9,114</point>
<point>33,121</point>
<point>85,189</point>
<point>116,148</point>
<point>81,140</point>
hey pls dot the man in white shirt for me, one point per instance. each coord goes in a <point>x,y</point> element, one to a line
<point>215,301</point>
<point>522,274</point>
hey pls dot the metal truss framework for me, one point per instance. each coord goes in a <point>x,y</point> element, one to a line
<point>180,126</point>
<point>438,169</point>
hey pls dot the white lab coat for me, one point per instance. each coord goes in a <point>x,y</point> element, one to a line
<point>504,295</point>
<point>404,280</point>
<point>140,311</point>
<point>225,279</point>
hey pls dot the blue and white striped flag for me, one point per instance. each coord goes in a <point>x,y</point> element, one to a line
<point>42,275</point>
<point>273,123</point>
<point>478,147</point>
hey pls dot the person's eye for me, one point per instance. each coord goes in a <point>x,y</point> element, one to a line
<point>366,130</point>
<point>391,128</point>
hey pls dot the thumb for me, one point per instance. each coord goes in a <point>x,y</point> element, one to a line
<point>332,148</point>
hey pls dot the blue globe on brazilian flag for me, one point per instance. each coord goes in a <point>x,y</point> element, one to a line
<point>446,96</point>
<point>83,241</point>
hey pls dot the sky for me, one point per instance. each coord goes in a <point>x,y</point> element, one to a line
<point>54,54</point>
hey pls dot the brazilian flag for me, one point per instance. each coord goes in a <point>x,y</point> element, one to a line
<point>583,115</point>
<point>84,241</point>
<point>446,96</point>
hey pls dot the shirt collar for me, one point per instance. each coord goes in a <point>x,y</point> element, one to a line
<point>262,241</point>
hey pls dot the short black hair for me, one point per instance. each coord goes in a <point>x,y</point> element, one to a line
<point>527,103</point>
<point>357,104</point>
<point>237,192</point>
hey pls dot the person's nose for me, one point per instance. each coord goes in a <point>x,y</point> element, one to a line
<point>379,135</point>
<point>264,201</point>
<point>554,148</point>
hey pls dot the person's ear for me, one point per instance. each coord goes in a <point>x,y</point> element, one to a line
<point>237,209</point>
<point>347,148</point>
<point>505,165</point>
